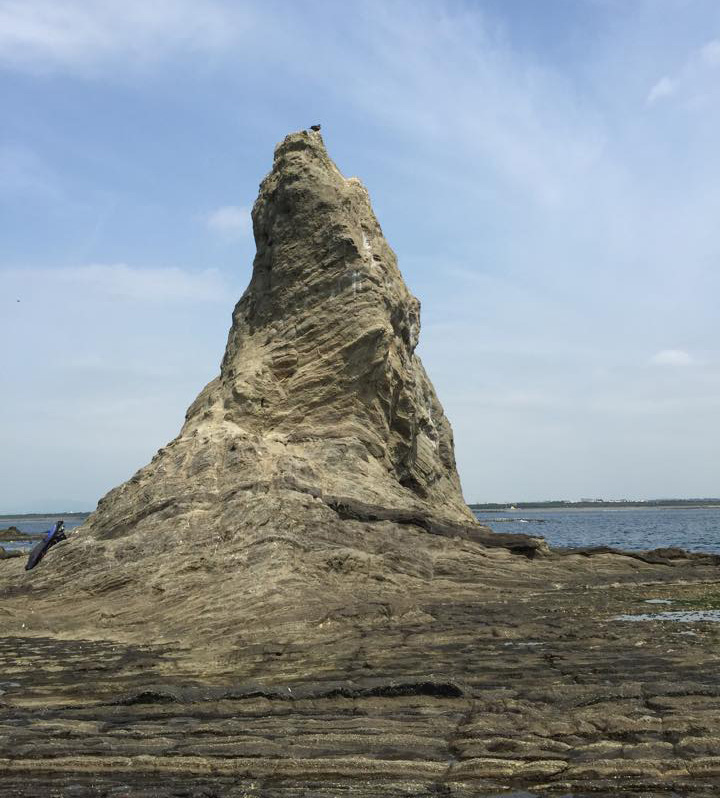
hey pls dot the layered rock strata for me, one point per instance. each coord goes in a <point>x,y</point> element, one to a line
<point>495,674</point>
<point>320,391</point>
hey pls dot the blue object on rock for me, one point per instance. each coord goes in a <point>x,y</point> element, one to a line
<point>53,536</point>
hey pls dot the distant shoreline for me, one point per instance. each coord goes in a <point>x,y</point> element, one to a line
<point>676,504</point>
<point>30,516</point>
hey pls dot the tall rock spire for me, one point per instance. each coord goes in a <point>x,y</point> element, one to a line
<point>320,390</point>
<point>313,479</point>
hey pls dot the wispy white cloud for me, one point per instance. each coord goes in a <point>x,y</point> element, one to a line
<point>430,68</point>
<point>710,53</point>
<point>694,77</point>
<point>672,357</point>
<point>122,282</point>
<point>231,221</point>
<point>444,77</point>
<point>665,87</point>
<point>147,285</point>
<point>81,35</point>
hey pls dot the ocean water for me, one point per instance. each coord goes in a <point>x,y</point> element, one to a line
<point>694,529</point>
<point>34,526</point>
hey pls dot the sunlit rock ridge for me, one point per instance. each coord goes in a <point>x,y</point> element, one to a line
<point>320,391</point>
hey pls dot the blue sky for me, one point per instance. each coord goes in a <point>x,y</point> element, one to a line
<point>548,174</point>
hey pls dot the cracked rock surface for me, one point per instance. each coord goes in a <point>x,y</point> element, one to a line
<point>292,598</point>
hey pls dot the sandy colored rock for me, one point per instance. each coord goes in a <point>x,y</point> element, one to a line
<point>320,391</point>
<point>316,462</point>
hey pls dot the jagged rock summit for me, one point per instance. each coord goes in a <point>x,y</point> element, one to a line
<point>320,391</point>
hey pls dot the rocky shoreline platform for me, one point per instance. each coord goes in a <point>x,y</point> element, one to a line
<point>292,598</point>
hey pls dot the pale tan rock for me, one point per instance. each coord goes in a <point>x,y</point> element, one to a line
<point>315,475</point>
<point>320,390</point>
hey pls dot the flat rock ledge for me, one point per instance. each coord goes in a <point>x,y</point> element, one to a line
<point>520,682</point>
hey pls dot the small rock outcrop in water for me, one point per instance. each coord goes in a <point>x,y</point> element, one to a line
<point>11,533</point>
<point>320,390</point>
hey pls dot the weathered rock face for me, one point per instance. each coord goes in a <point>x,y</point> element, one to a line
<point>320,390</point>
<point>308,474</point>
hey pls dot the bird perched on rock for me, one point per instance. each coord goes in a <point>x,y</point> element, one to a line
<point>315,127</point>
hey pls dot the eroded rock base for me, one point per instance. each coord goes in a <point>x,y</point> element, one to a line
<point>532,690</point>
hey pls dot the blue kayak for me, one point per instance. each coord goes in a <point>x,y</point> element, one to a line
<point>53,536</point>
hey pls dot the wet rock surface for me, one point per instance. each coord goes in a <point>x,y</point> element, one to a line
<point>292,598</point>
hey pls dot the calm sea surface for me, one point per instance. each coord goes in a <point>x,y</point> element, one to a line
<point>695,529</point>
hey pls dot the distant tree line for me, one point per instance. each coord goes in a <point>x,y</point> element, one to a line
<point>562,504</point>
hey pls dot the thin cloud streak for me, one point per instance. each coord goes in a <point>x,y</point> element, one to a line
<point>665,87</point>
<point>77,36</point>
<point>123,282</point>
<point>672,357</point>
<point>230,221</point>
<point>695,79</point>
